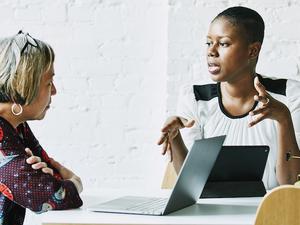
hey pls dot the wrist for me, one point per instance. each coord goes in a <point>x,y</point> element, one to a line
<point>286,120</point>
<point>285,116</point>
<point>77,182</point>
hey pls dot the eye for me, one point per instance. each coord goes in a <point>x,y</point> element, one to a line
<point>209,43</point>
<point>223,44</point>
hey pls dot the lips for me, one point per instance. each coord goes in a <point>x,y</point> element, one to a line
<point>214,68</point>
<point>48,106</point>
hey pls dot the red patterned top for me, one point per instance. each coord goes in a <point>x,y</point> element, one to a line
<point>21,186</point>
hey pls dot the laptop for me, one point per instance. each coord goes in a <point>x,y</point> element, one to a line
<point>238,172</point>
<point>189,185</point>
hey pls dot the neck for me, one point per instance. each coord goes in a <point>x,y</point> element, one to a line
<point>240,89</point>
<point>5,112</point>
<point>237,96</point>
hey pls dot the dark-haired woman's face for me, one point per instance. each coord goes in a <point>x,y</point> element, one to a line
<point>227,51</point>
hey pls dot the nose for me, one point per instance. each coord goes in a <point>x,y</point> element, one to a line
<point>53,89</point>
<point>212,51</point>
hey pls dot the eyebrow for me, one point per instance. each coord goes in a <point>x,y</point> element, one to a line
<point>220,37</point>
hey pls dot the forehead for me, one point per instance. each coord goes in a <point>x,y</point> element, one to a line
<point>223,27</point>
<point>49,73</point>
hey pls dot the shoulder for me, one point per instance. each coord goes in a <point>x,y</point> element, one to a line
<point>198,92</point>
<point>24,130</point>
<point>285,87</point>
<point>6,131</point>
<point>274,85</point>
<point>284,90</point>
<point>205,92</point>
<point>293,88</point>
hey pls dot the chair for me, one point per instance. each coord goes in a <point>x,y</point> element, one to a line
<point>169,177</point>
<point>280,206</point>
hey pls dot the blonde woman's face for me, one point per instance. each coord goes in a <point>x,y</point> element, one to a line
<point>38,108</point>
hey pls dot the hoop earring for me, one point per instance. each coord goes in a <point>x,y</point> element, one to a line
<point>13,110</point>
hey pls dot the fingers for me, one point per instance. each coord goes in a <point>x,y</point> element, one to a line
<point>172,126</point>
<point>170,152</point>
<point>165,146</point>
<point>39,165</point>
<point>262,110</point>
<point>170,131</point>
<point>33,159</point>
<point>263,99</point>
<point>259,87</point>
<point>162,138</point>
<point>176,122</point>
<point>189,123</point>
<point>257,120</point>
<point>258,115</point>
<point>28,151</point>
<point>47,170</point>
<point>36,163</point>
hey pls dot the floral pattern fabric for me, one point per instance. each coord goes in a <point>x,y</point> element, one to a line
<point>21,186</point>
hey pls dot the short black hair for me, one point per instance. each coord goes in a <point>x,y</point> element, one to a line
<point>247,19</point>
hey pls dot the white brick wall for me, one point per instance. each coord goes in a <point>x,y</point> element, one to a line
<point>111,65</point>
<point>119,64</point>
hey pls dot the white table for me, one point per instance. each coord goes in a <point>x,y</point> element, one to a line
<point>235,211</point>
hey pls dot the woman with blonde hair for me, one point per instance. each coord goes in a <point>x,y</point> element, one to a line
<point>28,177</point>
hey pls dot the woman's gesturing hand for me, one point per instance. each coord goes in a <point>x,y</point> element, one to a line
<point>170,131</point>
<point>36,163</point>
<point>269,108</point>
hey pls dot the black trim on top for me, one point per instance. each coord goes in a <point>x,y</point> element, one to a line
<point>210,91</point>
<point>205,92</point>
<point>277,86</point>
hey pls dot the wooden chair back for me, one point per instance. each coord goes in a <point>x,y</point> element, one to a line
<point>280,206</point>
<point>169,177</point>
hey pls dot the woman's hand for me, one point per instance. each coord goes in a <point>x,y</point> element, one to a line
<point>170,130</point>
<point>63,171</point>
<point>67,174</point>
<point>36,163</point>
<point>270,108</point>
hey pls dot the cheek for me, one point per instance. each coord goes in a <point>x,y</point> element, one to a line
<point>43,99</point>
<point>234,58</point>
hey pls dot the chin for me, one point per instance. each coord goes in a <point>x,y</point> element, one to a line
<point>41,116</point>
<point>217,78</point>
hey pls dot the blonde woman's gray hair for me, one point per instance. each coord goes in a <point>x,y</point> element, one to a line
<point>23,61</point>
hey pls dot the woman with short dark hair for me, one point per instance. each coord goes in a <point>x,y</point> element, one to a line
<point>249,108</point>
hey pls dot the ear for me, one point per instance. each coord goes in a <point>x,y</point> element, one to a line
<point>254,50</point>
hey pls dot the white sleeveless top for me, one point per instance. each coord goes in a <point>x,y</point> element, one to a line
<point>203,104</point>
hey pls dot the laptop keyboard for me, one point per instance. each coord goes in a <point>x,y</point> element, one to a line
<point>149,205</point>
